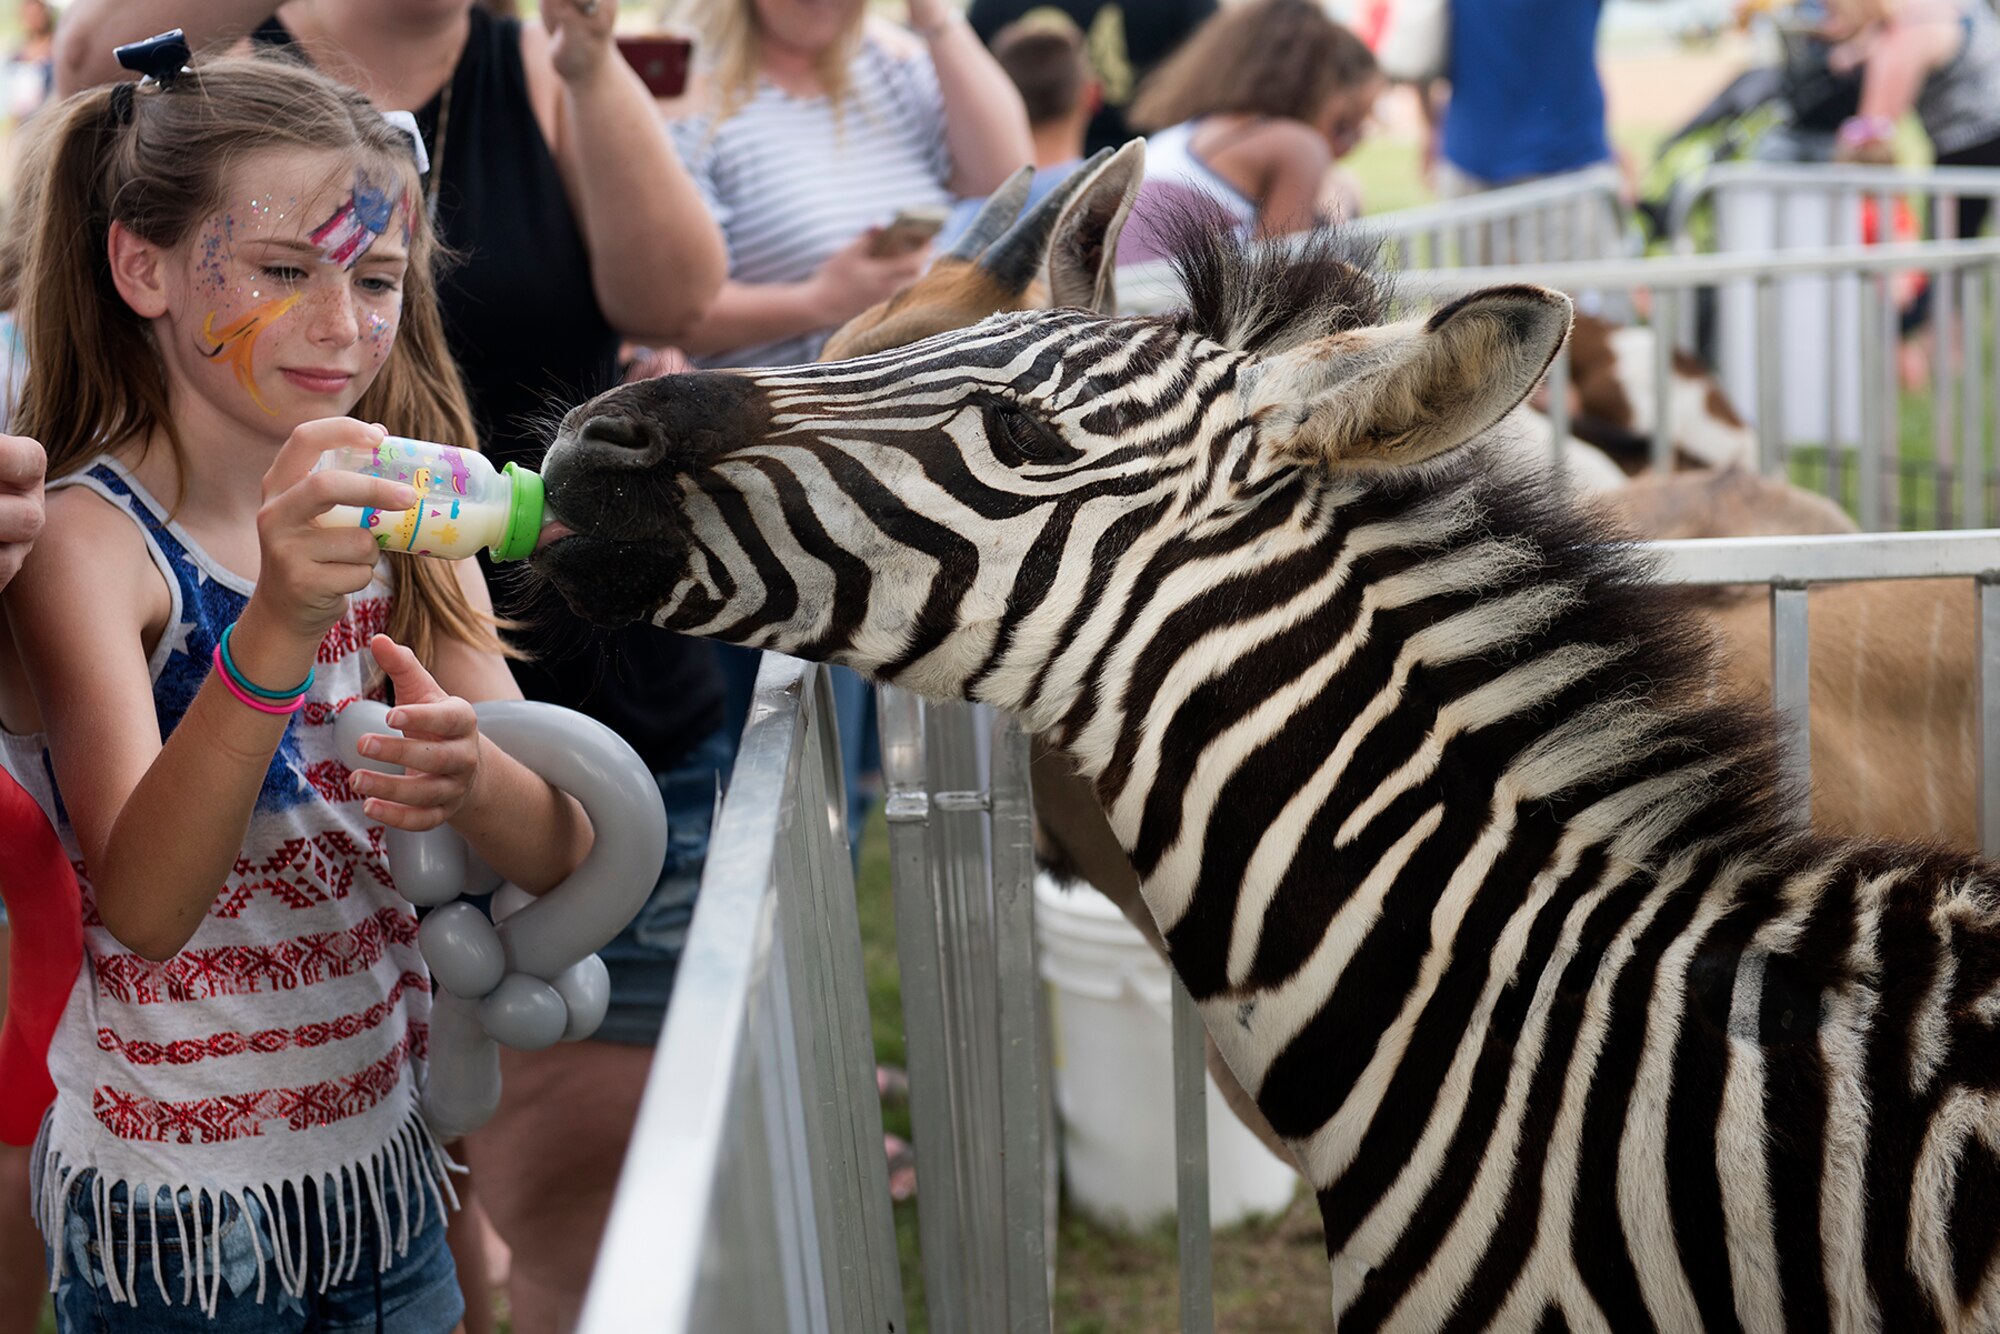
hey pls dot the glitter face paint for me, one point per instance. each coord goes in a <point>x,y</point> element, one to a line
<point>237,344</point>
<point>356,225</point>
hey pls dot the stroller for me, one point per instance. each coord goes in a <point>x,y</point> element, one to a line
<point>1783,112</point>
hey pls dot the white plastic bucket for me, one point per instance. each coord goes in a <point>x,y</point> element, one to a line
<point>1109,1015</point>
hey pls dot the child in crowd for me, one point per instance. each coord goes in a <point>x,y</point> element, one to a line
<point>227,262</point>
<point>1043,58</point>
<point>1252,112</point>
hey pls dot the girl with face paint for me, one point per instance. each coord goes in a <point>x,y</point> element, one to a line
<point>232,273</point>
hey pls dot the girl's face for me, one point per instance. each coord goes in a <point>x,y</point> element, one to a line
<point>808,25</point>
<point>284,304</point>
<point>1343,121</point>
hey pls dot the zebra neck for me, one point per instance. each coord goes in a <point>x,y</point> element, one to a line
<point>1447,687</point>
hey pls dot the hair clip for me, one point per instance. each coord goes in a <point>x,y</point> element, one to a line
<point>159,60</point>
<point>407,123</point>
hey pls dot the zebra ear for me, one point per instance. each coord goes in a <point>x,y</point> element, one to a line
<point>1083,254</point>
<point>1398,394</point>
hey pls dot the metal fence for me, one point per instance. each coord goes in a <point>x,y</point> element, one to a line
<point>1784,206</point>
<point>1851,440</point>
<point>1577,215</point>
<point>754,1198</point>
<point>755,1195</point>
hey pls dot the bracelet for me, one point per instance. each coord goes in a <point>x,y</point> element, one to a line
<point>243,683</point>
<point>1865,130</point>
<point>944,25</point>
<point>243,696</point>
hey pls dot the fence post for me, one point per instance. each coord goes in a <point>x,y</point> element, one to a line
<point>1791,684</point>
<point>1191,1165</point>
<point>1986,659</point>
<point>1024,1065</point>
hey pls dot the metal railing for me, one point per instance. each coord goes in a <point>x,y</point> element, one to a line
<point>961,845</point>
<point>1777,206</point>
<point>1857,433</point>
<point>755,1194</point>
<point>754,1198</point>
<point>1575,216</point>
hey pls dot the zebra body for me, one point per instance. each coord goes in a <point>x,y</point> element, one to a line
<point>1567,1021</point>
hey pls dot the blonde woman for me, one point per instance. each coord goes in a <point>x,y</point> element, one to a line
<point>811,126</point>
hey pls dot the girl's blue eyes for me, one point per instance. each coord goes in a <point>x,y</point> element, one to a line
<point>284,273</point>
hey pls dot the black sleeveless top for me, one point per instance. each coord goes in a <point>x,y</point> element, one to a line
<point>524,325</point>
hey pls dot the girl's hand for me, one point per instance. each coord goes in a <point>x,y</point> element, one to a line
<point>438,748</point>
<point>580,35</point>
<point>22,463</point>
<point>305,572</point>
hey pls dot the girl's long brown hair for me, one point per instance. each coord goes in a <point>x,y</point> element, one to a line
<point>1267,58</point>
<point>159,164</point>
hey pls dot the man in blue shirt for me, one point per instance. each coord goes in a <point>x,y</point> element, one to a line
<point>1525,96</point>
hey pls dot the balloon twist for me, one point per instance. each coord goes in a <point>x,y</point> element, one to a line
<point>529,977</point>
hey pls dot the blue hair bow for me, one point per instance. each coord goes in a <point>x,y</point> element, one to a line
<point>160,59</point>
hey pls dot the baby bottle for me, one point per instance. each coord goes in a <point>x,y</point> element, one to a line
<point>462,503</point>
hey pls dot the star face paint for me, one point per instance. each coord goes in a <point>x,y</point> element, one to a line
<point>357,224</point>
<point>236,345</point>
<point>285,303</point>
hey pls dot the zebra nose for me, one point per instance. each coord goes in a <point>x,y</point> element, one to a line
<point>620,441</point>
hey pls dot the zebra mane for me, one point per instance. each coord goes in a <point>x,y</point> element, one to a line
<point>1273,295</point>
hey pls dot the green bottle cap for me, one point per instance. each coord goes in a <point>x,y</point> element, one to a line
<point>524,514</point>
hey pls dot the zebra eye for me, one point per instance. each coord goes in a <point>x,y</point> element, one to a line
<point>1017,436</point>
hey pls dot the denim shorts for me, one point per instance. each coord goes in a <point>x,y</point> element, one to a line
<point>417,1294</point>
<point>643,958</point>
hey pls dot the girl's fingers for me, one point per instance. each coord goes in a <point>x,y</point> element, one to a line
<point>416,819</point>
<point>416,790</point>
<point>415,687</point>
<point>449,719</point>
<point>448,756</point>
<point>308,442</point>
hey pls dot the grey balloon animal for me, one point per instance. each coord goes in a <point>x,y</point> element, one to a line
<point>529,977</point>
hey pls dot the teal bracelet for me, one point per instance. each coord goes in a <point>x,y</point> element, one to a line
<point>235,675</point>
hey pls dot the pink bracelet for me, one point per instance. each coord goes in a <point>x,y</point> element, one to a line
<point>261,705</point>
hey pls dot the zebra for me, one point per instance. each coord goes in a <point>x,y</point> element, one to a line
<point>1508,927</point>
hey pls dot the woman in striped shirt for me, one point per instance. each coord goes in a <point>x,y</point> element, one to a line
<point>811,127</point>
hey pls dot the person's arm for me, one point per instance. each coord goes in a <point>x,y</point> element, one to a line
<point>1908,48</point>
<point>161,824</point>
<point>849,282</point>
<point>530,831</point>
<point>91,28</point>
<point>1288,160</point>
<point>986,124</point>
<point>656,257</point>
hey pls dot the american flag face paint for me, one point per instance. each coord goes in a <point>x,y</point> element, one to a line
<point>357,224</point>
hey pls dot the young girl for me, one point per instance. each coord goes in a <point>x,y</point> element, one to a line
<point>227,263</point>
<point>1254,110</point>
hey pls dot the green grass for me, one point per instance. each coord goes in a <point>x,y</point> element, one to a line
<point>1270,1274</point>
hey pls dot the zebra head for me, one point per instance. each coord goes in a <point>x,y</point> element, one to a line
<point>968,516</point>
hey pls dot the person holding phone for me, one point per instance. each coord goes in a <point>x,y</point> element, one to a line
<point>810,128</point>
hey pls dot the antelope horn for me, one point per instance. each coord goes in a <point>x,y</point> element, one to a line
<point>1016,259</point>
<point>1001,207</point>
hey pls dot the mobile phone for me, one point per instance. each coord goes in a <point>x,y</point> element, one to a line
<point>661,59</point>
<point>907,231</point>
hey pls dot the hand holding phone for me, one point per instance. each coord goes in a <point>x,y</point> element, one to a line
<point>661,59</point>
<point>910,230</point>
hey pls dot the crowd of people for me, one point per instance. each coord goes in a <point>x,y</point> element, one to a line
<point>438,219</point>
